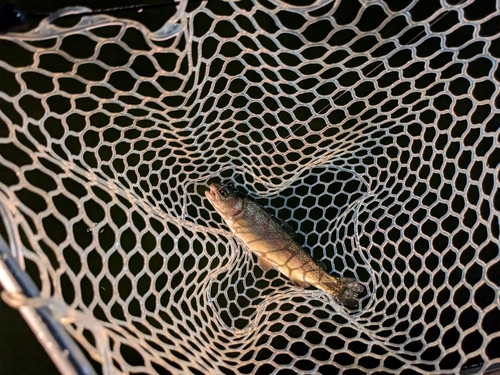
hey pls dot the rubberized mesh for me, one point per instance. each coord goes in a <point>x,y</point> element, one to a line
<point>371,127</point>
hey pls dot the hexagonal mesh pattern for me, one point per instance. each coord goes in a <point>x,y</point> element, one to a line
<point>372,127</point>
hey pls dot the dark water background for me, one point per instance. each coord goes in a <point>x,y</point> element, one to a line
<point>20,352</point>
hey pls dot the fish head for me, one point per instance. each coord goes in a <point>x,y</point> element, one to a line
<point>226,200</point>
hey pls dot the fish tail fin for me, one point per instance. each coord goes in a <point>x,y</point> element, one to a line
<point>349,294</point>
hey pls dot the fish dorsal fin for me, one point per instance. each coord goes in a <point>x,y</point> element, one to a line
<point>322,266</point>
<point>284,225</point>
<point>265,264</point>
<point>287,227</point>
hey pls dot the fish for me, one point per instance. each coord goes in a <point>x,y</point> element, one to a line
<point>274,246</point>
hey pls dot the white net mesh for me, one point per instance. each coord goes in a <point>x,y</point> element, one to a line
<point>372,127</point>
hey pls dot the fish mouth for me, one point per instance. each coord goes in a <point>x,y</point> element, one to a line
<point>213,192</point>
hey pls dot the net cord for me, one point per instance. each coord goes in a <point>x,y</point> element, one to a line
<point>21,299</point>
<point>60,347</point>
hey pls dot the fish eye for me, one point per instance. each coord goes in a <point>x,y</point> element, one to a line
<point>224,192</point>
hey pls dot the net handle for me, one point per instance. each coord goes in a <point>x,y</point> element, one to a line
<point>58,344</point>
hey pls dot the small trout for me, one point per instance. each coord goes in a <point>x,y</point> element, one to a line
<point>274,246</point>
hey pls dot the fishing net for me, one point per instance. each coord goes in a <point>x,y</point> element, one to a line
<point>371,127</point>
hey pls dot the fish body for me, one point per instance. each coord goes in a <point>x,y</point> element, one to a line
<point>275,247</point>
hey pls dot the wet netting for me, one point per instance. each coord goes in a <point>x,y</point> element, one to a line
<point>371,127</point>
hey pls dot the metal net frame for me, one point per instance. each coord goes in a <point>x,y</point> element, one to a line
<point>371,127</point>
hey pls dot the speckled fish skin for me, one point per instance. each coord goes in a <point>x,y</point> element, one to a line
<point>275,248</point>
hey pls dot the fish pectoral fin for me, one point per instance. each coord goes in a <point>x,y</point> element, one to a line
<point>265,264</point>
<point>300,283</point>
